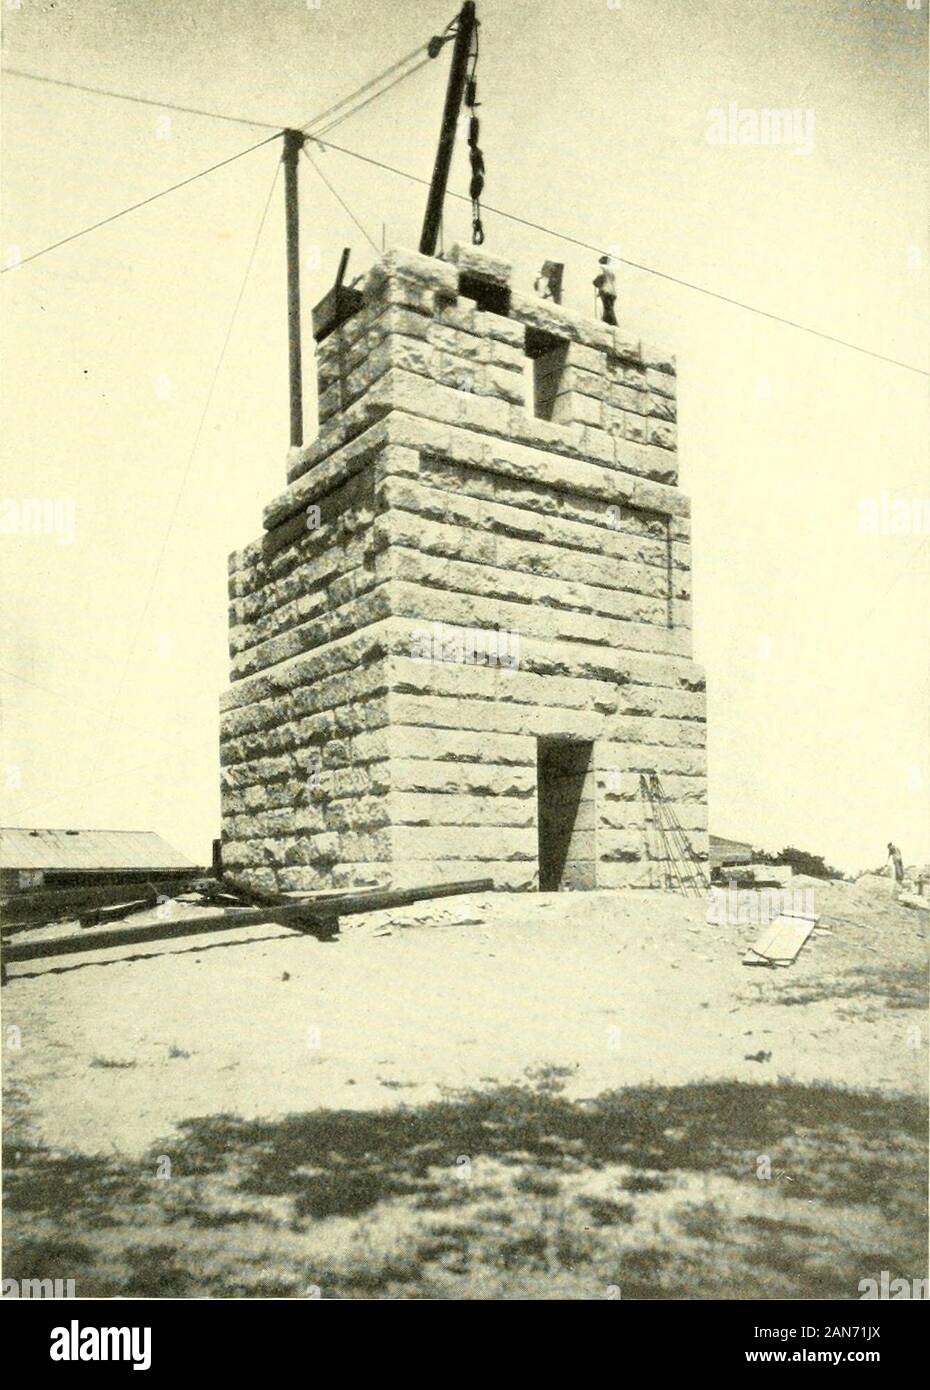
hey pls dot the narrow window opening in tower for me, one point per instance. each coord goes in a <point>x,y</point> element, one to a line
<point>488,295</point>
<point>546,356</point>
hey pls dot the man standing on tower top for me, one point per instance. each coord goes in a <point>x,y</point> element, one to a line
<point>605,282</point>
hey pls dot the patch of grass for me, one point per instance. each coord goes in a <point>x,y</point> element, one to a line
<point>768,1223</point>
<point>641,1274</point>
<point>524,1250</point>
<point>65,1186</point>
<point>549,1079</point>
<point>604,1212</point>
<point>156,1271</point>
<point>54,1257</point>
<point>371,1203</point>
<point>882,986</point>
<point>646,1182</point>
<point>537,1184</point>
<point>704,1221</point>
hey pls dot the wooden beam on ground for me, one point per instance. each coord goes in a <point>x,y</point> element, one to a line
<point>113,913</point>
<point>24,910</point>
<point>262,897</point>
<point>333,902</point>
<point>300,916</point>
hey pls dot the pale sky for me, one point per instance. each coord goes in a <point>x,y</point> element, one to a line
<point>814,635</point>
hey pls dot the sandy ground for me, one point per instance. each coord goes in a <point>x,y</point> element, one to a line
<point>492,1097</point>
<point>620,989</point>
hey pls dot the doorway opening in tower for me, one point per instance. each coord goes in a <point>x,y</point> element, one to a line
<point>565,814</point>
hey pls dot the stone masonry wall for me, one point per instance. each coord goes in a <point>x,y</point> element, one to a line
<point>436,511</point>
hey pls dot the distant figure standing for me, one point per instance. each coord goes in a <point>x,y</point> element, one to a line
<point>606,285</point>
<point>897,863</point>
<point>548,283</point>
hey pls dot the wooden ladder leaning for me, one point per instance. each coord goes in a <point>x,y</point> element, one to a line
<point>685,871</point>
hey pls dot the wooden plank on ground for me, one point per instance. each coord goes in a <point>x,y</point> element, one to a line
<point>340,902</point>
<point>23,910</point>
<point>299,916</point>
<point>782,941</point>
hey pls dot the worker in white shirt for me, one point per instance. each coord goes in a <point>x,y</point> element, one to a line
<point>897,864</point>
<point>605,282</point>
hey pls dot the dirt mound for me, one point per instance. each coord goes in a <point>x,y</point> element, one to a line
<point>870,903</point>
<point>876,882</point>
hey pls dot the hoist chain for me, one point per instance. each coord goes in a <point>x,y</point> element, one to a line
<point>474,149</point>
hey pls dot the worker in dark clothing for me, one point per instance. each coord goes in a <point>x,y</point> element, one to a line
<point>605,282</point>
<point>548,284</point>
<point>897,863</point>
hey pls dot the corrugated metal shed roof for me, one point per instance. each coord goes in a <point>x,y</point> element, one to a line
<point>722,849</point>
<point>87,849</point>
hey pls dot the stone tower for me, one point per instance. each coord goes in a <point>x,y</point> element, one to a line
<point>466,629</point>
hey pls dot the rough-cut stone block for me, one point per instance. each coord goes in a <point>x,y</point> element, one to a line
<point>426,271</point>
<point>470,842</point>
<point>432,809</point>
<point>592,361</point>
<point>469,260</point>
